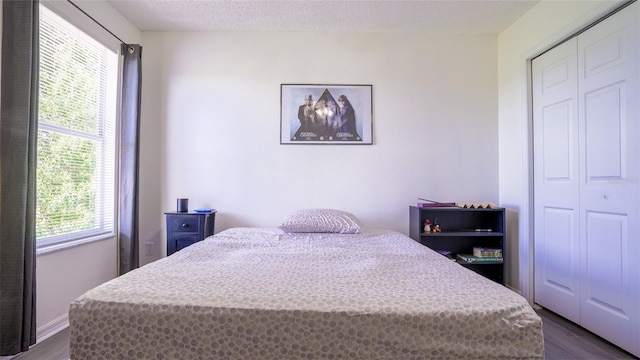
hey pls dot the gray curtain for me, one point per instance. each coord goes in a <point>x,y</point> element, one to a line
<point>130,157</point>
<point>18,132</point>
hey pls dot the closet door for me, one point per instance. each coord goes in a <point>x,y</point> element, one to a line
<point>586,125</point>
<point>609,123</point>
<point>556,180</point>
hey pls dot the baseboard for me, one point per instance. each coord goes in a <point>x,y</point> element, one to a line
<point>52,328</point>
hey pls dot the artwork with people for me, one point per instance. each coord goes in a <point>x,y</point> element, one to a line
<point>326,119</point>
<point>326,114</point>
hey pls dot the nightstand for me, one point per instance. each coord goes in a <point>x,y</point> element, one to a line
<point>186,228</point>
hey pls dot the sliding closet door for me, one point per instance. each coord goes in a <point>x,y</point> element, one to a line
<point>556,180</point>
<point>586,102</point>
<point>609,123</point>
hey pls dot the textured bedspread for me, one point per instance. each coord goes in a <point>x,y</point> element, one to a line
<point>257,293</point>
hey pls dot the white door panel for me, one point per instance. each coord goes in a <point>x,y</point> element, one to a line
<point>557,142</point>
<point>605,134</point>
<point>556,181</point>
<point>609,123</point>
<point>558,288</point>
<point>605,52</point>
<point>606,276</point>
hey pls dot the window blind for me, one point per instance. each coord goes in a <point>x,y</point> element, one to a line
<point>76,133</point>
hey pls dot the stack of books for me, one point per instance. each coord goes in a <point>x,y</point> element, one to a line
<point>482,255</point>
<point>487,252</point>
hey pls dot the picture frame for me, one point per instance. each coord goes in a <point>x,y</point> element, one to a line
<point>326,114</point>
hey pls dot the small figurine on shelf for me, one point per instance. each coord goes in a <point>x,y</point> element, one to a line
<point>436,226</point>
<point>427,225</point>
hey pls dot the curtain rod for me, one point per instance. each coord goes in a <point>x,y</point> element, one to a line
<point>131,48</point>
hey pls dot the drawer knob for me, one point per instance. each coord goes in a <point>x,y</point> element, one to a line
<point>185,225</point>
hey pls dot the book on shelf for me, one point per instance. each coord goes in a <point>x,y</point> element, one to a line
<point>476,259</point>
<point>435,204</point>
<point>487,252</point>
<point>446,253</point>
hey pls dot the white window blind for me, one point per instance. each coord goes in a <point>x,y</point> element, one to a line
<point>76,134</point>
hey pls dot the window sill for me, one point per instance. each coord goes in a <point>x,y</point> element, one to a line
<point>47,249</point>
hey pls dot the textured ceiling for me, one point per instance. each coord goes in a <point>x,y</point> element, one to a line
<point>488,17</point>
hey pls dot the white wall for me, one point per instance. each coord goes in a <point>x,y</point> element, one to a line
<point>63,275</point>
<point>211,117</point>
<point>543,26</point>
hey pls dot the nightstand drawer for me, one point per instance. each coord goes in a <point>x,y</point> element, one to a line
<point>184,223</point>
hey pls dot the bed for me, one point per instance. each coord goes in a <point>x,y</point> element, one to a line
<point>269,293</point>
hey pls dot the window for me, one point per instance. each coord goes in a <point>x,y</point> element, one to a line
<point>76,135</point>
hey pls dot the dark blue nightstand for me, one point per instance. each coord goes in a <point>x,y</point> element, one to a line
<point>186,228</point>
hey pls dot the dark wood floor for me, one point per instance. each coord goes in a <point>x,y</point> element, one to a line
<point>53,348</point>
<point>563,340</point>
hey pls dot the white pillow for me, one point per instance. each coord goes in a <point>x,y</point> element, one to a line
<point>321,221</point>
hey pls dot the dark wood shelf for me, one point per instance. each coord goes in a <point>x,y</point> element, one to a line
<point>459,236</point>
<point>462,262</point>
<point>463,233</point>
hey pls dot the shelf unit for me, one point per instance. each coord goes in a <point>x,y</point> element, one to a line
<point>459,236</point>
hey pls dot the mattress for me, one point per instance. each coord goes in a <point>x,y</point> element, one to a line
<point>260,293</point>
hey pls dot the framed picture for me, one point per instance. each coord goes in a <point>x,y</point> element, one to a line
<point>325,114</point>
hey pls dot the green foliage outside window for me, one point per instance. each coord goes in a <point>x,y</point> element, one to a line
<point>66,200</point>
